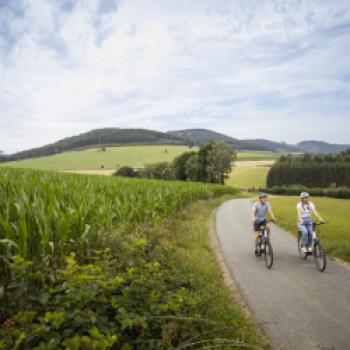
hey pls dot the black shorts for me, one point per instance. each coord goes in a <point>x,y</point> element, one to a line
<point>258,224</point>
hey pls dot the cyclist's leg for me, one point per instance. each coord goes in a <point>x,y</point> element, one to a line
<point>256,227</point>
<point>268,229</point>
<point>304,233</point>
<point>310,233</point>
<point>256,239</point>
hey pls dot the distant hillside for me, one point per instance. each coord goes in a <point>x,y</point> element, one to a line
<point>321,147</point>
<point>107,136</point>
<point>203,136</point>
<point>275,146</point>
<point>194,137</point>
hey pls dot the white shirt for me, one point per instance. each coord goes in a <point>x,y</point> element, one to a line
<point>306,210</point>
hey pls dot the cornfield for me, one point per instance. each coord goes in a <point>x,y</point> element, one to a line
<point>46,215</point>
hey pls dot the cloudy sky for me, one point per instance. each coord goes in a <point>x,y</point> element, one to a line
<point>250,68</point>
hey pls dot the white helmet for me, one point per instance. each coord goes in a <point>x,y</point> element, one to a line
<point>304,195</point>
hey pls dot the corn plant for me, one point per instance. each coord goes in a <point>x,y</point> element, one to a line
<point>44,216</point>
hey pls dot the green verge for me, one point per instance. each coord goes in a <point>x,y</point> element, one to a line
<point>335,236</point>
<point>195,257</point>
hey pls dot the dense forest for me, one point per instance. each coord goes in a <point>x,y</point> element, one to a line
<point>311,170</point>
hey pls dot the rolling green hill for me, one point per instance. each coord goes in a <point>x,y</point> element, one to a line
<point>114,157</point>
<point>98,137</point>
<point>94,158</point>
<point>189,137</point>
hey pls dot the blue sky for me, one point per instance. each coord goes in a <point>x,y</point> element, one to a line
<point>251,69</point>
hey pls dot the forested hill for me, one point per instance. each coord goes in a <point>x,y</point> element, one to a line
<point>321,147</point>
<point>107,136</point>
<point>203,136</point>
<point>194,137</point>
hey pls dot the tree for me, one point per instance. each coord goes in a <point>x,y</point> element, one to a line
<point>161,171</point>
<point>179,164</point>
<point>220,158</point>
<point>192,167</point>
<point>126,171</point>
<point>212,163</point>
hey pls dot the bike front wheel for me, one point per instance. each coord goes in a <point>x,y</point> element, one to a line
<point>303,255</point>
<point>268,253</point>
<point>319,257</point>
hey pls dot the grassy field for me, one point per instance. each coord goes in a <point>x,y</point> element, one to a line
<point>249,174</point>
<point>113,157</point>
<point>258,155</point>
<point>335,235</point>
<point>94,158</point>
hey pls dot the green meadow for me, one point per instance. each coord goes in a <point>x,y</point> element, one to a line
<point>259,155</point>
<point>248,177</point>
<point>335,235</point>
<point>95,158</point>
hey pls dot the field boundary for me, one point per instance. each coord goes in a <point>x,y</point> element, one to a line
<point>229,281</point>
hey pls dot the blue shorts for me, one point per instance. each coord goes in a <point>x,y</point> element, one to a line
<point>258,224</point>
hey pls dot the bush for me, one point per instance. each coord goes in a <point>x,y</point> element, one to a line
<point>126,171</point>
<point>335,192</point>
<point>160,171</point>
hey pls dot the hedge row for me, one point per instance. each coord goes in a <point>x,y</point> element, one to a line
<point>335,192</point>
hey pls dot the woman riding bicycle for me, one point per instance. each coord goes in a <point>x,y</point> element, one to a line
<point>305,209</point>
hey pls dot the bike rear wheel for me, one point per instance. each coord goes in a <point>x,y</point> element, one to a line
<point>268,253</point>
<point>319,257</point>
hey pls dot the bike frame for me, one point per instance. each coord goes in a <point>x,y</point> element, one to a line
<point>263,236</point>
<point>313,234</point>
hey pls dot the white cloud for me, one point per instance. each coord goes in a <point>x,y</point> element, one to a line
<point>272,69</point>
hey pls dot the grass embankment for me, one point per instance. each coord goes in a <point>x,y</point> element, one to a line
<point>335,235</point>
<point>91,262</point>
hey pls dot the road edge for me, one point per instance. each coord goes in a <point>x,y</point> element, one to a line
<point>229,281</point>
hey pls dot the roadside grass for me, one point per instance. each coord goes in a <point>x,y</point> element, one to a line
<point>189,232</point>
<point>94,158</point>
<point>335,235</point>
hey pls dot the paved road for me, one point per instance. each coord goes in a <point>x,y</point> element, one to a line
<point>299,307</point>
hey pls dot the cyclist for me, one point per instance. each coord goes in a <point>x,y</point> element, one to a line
<point>305,209</point>
<point>259,217</point>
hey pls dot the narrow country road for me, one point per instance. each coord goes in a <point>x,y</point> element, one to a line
<point>298,307</point>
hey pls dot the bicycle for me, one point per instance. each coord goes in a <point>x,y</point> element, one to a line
<point>315,249</point>
<point>265,247</point>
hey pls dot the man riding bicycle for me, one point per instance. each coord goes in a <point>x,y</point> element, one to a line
<point>305,209</point>
<point>259,217</point>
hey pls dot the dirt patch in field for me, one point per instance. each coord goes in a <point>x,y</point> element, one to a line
<point>254,163</point>
<point>105,172</point>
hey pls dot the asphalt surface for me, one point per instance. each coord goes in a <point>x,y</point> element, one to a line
<point>297,306</point>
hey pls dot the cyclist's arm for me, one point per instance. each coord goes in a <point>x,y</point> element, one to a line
<point>319,217</point>
<point>299,216</point>
<point>253,214</point>
<point>272,215</point>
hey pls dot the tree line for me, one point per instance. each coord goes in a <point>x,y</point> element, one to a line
<point>212,163</point>
<point>311,171</point>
